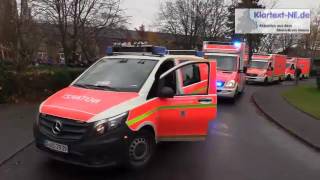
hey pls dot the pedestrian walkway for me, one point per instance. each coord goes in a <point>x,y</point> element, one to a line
<point>16,123</point>
<point>301,125</point>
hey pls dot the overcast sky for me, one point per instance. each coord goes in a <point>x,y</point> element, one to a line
<point>145,11</point>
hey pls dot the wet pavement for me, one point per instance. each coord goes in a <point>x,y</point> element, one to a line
<point>242,145</point>
<point>16,123</point>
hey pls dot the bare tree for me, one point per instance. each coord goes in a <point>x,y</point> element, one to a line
<point>311,42</point>
<point>214,17</point>
<point>8,15</point>
<point>267,44</point>
<point>193,20</point>
<point>80,20</point>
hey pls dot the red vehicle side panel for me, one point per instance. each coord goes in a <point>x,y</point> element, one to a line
<point>279,65</point>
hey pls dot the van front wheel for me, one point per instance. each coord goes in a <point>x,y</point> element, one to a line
<point>265,82</point>
<point>140,150</point>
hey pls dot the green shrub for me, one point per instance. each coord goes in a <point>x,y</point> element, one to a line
<point>35,83</point>
<point>313,72</point>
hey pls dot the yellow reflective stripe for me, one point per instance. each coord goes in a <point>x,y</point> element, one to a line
<point>149,113</point>
<point>200,90</point>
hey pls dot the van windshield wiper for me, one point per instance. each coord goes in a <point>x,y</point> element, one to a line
<point>100,87</point>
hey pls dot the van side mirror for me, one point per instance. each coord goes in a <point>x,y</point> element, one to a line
<point>166,92</point>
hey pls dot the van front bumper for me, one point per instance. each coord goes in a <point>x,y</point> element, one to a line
<point>96,152</point>
<point>226,92</point>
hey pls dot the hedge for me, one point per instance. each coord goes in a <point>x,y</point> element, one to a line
<point>34,84</point>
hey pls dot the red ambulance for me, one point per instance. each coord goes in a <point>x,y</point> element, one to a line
<point>290,68</point>
<point>119,108</point>
<point>266,68</point>
<point>303,63</point>
<point>231,59</point>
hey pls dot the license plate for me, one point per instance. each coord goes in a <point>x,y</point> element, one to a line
<point>56,146</point>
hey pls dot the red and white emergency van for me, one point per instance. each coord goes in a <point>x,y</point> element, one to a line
<point>120,107</point>
<point>266,68</point>
<point>231,59</point>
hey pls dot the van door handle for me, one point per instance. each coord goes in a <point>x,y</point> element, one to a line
<point>205,101</point>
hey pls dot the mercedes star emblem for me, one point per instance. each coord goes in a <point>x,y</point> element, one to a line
<point>57,128</point>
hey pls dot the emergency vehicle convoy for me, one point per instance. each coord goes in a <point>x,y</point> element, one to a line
<point>120,107</point>
<point>266,68</point>
<point>231,59</point>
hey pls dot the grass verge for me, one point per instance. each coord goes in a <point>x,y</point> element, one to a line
<point>305,98</point>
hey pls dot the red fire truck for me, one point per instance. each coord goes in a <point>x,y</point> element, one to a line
<point>231,59</point>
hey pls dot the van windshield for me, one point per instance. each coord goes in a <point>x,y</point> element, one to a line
<point>224,63</point>
<point>259,64</point>
<point>125,75</point>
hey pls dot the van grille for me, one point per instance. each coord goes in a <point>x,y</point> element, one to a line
<point>69,130</point>
<point>252,75</point>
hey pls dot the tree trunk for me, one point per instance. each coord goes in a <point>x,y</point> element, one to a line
<point>250,45</point>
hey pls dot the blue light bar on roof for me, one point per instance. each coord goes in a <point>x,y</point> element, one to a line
<point>200,53</point>
<point>109,51</point>
<point>158,50</point>
<point>155,50</point>
<point>186,52</point>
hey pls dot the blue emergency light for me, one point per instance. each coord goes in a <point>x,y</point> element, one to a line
<point>109,51</point>
<point>219,84</point>
<point>237,44</point>
<point>159,50</point>
<point>200,53</point>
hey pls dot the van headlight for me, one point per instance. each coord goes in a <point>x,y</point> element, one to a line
<point>230,84</point>
<point>108,124</point>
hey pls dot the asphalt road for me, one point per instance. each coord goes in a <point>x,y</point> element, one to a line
<point>242,145</point>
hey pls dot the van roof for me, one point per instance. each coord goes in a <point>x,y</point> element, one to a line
<point>154,58</point>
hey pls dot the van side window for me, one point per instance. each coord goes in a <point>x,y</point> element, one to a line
<point>190,74</point>
<point>165,66</point>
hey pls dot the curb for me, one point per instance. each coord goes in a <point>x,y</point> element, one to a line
<point>289,131</point>
<point>14,154</point>
<point>297,108</point>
